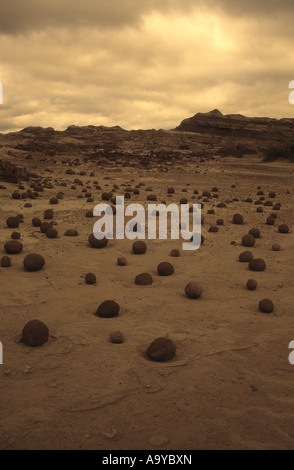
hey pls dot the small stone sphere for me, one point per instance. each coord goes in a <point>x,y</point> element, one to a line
<point>193,290</point>
<point>165,269</point>
<point>33,262</point>
<point>257,264</point>
<point>175,253</point>
<point>36,222</point>
<point>254,232</point>
<point>51,233</point>
<point>266,306</point>
<point>53,200</point>
<point>139,247</point>
<point>213,229</point>
<point>238,219</point>
<point>35,333</point>
<point>95,243</point>
<point>122,261</point>
<point>283,228</point>
<point>270,220</point>
<point>45,226</point>
<point>245,256</point>
<point>161,349</point>
<point>12,222</point>
<point>90,278</point>
<point>276,247</point>
<point>116,337</point>
<point>143,279</point>
<point>259,209</point>
<point>108,309</point>
<point>5,261</point>
<point>13,247</point>
<point>251,284</point>
<point>248,240</point>
<point>220,222</point>
<point>48,214</point>
<point>89,213</point>
<point>71,232</point>
<point>15,235</point>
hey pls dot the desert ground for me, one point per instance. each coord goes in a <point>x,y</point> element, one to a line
<point>229,384</point>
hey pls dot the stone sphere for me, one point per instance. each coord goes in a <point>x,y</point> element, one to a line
<point>12,247</point>
<point>220,222</point>
<point>36,222</point>
<point>143,279</point>
<point>245,256</point>
<point>238,219</point>
<point>45,226</point>
<point>270,220</point>
<point>248,240</point>
<point>175,253</point>
<point>254,232</point>
<point>213,229</point>
<point>139,247</point>
<point>51,233</point>
<point>283,228</point>
<point>165,269</point>
<point>33,262</point>
<point>95,243</point>
<point>53,200</point>
<point>266,306</point>
<point>161,349</point>
<point>116,337</point>
<point>5,261</point>
<point>35,333</point>
<point>71,232</point>
<point>108,309</point>
<point>251,284</point>
<point>90,278</point>
<point>122,261</point>
<point>276,247</point>
<point>12,222</point>
<point>257,264</point>
<point>15,235</point>
<point>193,290</point>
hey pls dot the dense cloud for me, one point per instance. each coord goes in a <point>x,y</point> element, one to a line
<point>143,64</point>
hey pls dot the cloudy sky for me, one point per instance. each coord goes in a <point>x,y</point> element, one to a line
<point>143,64</point>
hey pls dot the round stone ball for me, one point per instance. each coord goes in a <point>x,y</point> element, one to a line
<point>220,222</point>
<point>175,253</point>
<point>251,284</point>
<point>45,226</point>
<point>193,290</point>
<point>266,306</point>
<point>238,219</point>
<point>90,278</point>
<point>257,264</point>
<point>161,350</point>
<point>71,232</point>
<point>270,220</point>
<point>143,279</point>
<point>53,200</point>
<point>245,256</point>
<point>95,243</point>
<point>13,247</point>
<point>254,232</point>
<point>36,222</point>
<point>15,235</point>
<point>35,333</point>
<point>276,247</point>
<point>48,214</point>
<point>139,247</point>
<point>108,309</point>
<point>12,222</point>
<point>122,261</point>
<point>33,262</point>
<point>165,269</point>
<point>116,337</point>
<point>5,261</point>
<point>248,240</point>
<point>51,233</point>
<point>283,228</point>
<point>213,229</point>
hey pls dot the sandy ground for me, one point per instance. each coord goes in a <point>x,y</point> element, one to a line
<point>230,385</point>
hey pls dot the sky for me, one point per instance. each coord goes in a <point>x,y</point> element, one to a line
<point>143,64</point>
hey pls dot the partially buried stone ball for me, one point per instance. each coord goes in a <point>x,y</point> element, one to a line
<point>251,284</point>
<point>283,228</point>
<point>90,278</point>
<point>245,256</point>
<point>257,264</point>
<point>248,240</point>
<point>116,336</point>
<point>238,219</point>
<point>71,232</point>
<point>13,247</point>
<point>139,247</point>
<point>12,222</point>
<point>35,333</point>
<point>266,306</point>
<point>108,309</point>
<point>175,253</point>
<point>96,243</point>
<point>254,232</point>
<point>5,261</point>
<point>161,349</point>
<point>193,290</point>
<point>276,247</point>
<point>36,222</point>
<point>122,261</point>
<point>51,233</point>
<point>33,262</point>
<point>15,235</point>
<point>143,279</point>
<point>165,269</point>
